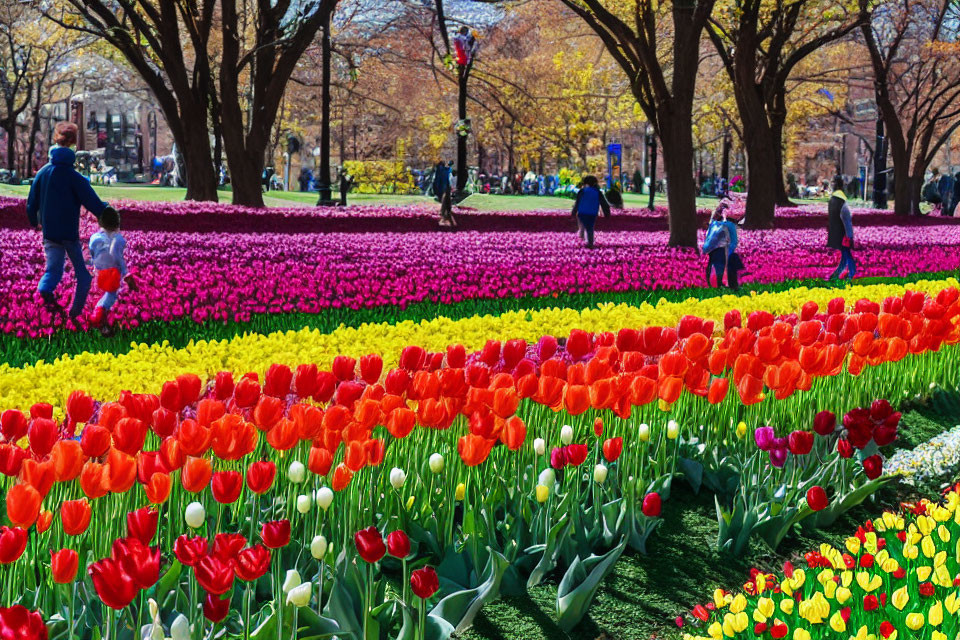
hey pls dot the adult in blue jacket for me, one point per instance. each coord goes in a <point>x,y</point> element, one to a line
<point>53,206</point>
<point>590,200</point>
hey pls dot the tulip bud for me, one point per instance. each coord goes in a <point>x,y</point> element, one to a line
<point>409,503</point>
<point>299,596</point>
<point>673,430</point>
<point>461,492</point>
<point>180,628</point>
<point>318,547</point>
<point>548,477</point>
<point>397,477</point>
<point>599,474</point>
<point>303,504</point>
<point>436,463</point>
<point>539,446</point>
<point>741,429</point>
<point>297,473</point>
<point>543,492</point>
<point>324,498</point>
<point>566,434</point>
<point>195,515</point>
<point>644,432</point>
<point>291,581</point>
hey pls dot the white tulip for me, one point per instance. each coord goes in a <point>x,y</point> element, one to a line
<point>303,504</point>
<point>673,430</point>
<point>292,580</point>
<point>297,473</point>
<point>299,596</point>
<point>194,515</point>
<point>397,477</point>
<point>644,432</point>
<point>324,498</point>
<point>548,477</point>
<point>539,446</point>
<point>436,463</point>
<point>566,434</point>
<point>318,547</point>
<point>180,629</point>
<point>599,474</point>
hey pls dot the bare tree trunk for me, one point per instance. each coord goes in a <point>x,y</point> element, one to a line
<point>677,138</point>
<point>200,176</point>
<point>11,144</point>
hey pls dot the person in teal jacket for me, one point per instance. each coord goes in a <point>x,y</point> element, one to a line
<point>53,206</point>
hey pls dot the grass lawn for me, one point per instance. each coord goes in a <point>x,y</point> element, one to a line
<point>151,193</point>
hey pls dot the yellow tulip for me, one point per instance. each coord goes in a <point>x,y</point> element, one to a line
<point>461,492</point>
<point>935,614</point>
<point>786,606</point>
<point>739,603</point>
<point>837,623</point>
<point>928,547</point>
<point>853,545</point>
<point>719,598</point>
<point>843,594</point>
<point>914,621</point>
<point>765,607</point>
<point>801,634</point>
<point>900,598</point>
<point>923,572</point>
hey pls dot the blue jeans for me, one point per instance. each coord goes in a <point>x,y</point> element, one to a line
<point>56,252</point>
<point>847,264</point>
<point>717,261</point>
<point>586,225</point>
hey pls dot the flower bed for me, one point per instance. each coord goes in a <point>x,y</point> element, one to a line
<point>896,577</point>
<point>231,276</point>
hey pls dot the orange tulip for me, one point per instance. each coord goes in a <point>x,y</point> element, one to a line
<point>195,474</point>
<point>232,437</point>
<point>750,389</point>
<point>367,413</point>
<point>505,402</point>
<point>669,389</point>
<point>172,454</point>
<point>375,449</point>
<point>474,449</point>
<point>194,438</point>
<point>44,520</point>
<point>576,374</point>
<point>75,515</point>
<point>718,390</point>
<point>283,435</point>
<point>38,475</point>
<point>129,434</point>
<point>431,413</point>
<point>23,505</point>
<point>308,420</point>
<point>576,399</point>
<point>209,410</point>
<point>67,458</point>
<point>643,390</point>
<point>514,433</point>
<point>341,477</point>
<point>120,471</point>
<point>91,480</point>
<point>696,347</point>
<point>319,461</point>
<point>268,412</point>
<point>158,488</point>
<point>355,456</point>
<point>401,422</point>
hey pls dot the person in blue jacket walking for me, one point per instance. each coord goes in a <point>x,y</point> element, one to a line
<point>53,207</point>
<point>587,206</point>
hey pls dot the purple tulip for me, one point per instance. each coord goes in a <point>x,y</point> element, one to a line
<point>764,437</point>
<point>778,456</point>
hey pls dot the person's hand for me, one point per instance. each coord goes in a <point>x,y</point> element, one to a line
<point>131,283</point>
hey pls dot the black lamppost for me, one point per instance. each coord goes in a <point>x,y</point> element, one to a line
<point>652,155</point>
<point>880,168</point>
<point>323,180</point>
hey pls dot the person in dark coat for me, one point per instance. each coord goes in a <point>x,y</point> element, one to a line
<point>53,207</point>
<point>590,200</point>
<point>945,187</point>
<point>956,194</point>
<point>840,231</point>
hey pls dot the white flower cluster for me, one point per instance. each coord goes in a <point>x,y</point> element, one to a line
<point>935,460</point>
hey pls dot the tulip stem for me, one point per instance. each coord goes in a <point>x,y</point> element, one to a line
<point>422,622</point>
<point>73,598</point>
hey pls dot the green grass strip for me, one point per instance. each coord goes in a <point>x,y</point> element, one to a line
<point>179,333</point>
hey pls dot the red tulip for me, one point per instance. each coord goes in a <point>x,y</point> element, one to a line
<point>13,541</point>
<point>226,486</point>
<point>95,440</point>
<point>817,498</point>
<point>558,458</point>
<point>114,586</point>
<point>260,476</point>
<point>75,515</point>
<point>80,406</point>
<point>23,505</point>
<point>651,505</point>
<point>276,534</point>
<point>195,474</point>
<point>424,582</point>
<point>873,466</point>
<point>252,563</point>
<point>369,544</point>
<point>277,381</point>
<point>825,423</point>
<point>11,459</point>
<point>13,425</point>
<point>214,575</point>
<point>142,524</point>
<point>371,366</point>
<point>226,546</point>
<point>598,426</point>
<point>215,609</point>
<point>189,550</point>
<point>246,393</point>
<point>64,565</point>
<point>398,544</point>
<point>576,454</point>
<point>800,443</point>
<point>43,433</point>
<point>612,448</point>
<point>138,561</point>
<point>42,410</point>
<point>844,448</point>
